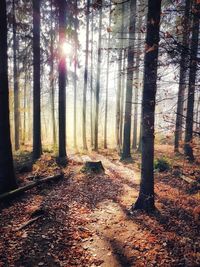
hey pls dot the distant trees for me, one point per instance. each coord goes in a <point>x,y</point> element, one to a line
<point>7,176</point>
<point>145,200</point>
<point>37,144</point>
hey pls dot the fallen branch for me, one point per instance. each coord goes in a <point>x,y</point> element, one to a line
<point>188,180</point>
<point>28,223</point>
<point>20,190</point>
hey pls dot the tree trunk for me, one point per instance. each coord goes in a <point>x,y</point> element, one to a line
<point>91,84</point>
<point>136,87</point>
<point>75,75</point>
<point>16,81</point>
<point>37,145</point>
<point>85,77</point>
<point>192,77</point>
<point>128,104</point>
<point>62,80</point>
<point>107,82</point>
<point>183,75</point>
<point>7,176</point>
<point>52,92</point>
<point>97,92</point>
<point>122,100</point>
<point>145,200</point>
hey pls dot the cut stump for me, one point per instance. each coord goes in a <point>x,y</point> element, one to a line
<point>93,166</point>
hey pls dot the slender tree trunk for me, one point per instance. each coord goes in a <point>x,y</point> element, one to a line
<point>62,80</point>
<point>97,92</point>
<point>136,87</point>
<point>52,93</point>
<point>119,86</point>
<point>188,149</point>
<point>85,77</point>
<point>183,75</point>
<point>75,76</point>
<point>25,105</point>
<point>7,176</point>
<point>91,84</point>
<point>37,145</point>
<point>145,200</point>
<point>107,82</point>
<point>16,79</point>
<point>122,101</point>
<point>129,86</point>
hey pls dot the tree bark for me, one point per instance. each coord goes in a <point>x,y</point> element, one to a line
<point>192,78</point>
<point>62,80</point>
<point>145,200</point>
<point>128,104</point>
<point>7,176</point>
<point>37,145</point>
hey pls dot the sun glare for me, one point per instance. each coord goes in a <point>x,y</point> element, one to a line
<point>66,49</point>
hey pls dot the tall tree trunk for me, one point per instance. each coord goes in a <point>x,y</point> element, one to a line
<point>85,77</point>
<point>107,82</point>
<point>145,200</point>
<point>129,86</point>
<point>16,81</point>
<point>192,77</point>
<point>52,92</point>
<point>122,100</point>
<point>119,86</point>
<point>25,105</point>
<point>97,92</point>
<point>136,87</point>
<point>75,75</point>
<point>91,84</point>
<point>183,75</point>
<point>7,176</point>
<point>62,79</point>
<point>37,145</point>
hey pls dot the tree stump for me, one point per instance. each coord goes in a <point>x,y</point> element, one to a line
<point>93,166</point>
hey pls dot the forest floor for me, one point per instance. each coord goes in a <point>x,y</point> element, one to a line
<point>84,220</point>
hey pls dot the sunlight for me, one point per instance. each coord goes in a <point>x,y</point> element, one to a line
<point>66,49</point>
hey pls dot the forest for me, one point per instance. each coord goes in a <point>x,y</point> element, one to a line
<point>99,133</point>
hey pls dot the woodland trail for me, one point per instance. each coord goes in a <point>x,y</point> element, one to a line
<point>85,220</point>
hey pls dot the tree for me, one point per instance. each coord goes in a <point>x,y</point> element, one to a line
<point>37,144</point>
<point>75,73</point>
<point>85,76</point>
<point>192,78</point>
<point>62,79</point>
<point>119,84</point>
<point>97,91</point>
<point>128,104</point>
<point>16,78</point>
<point>52,79</point>
<point>145,200</point>
<point>107,81</point>
<point>183,75</point>
<point>7,176</point>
